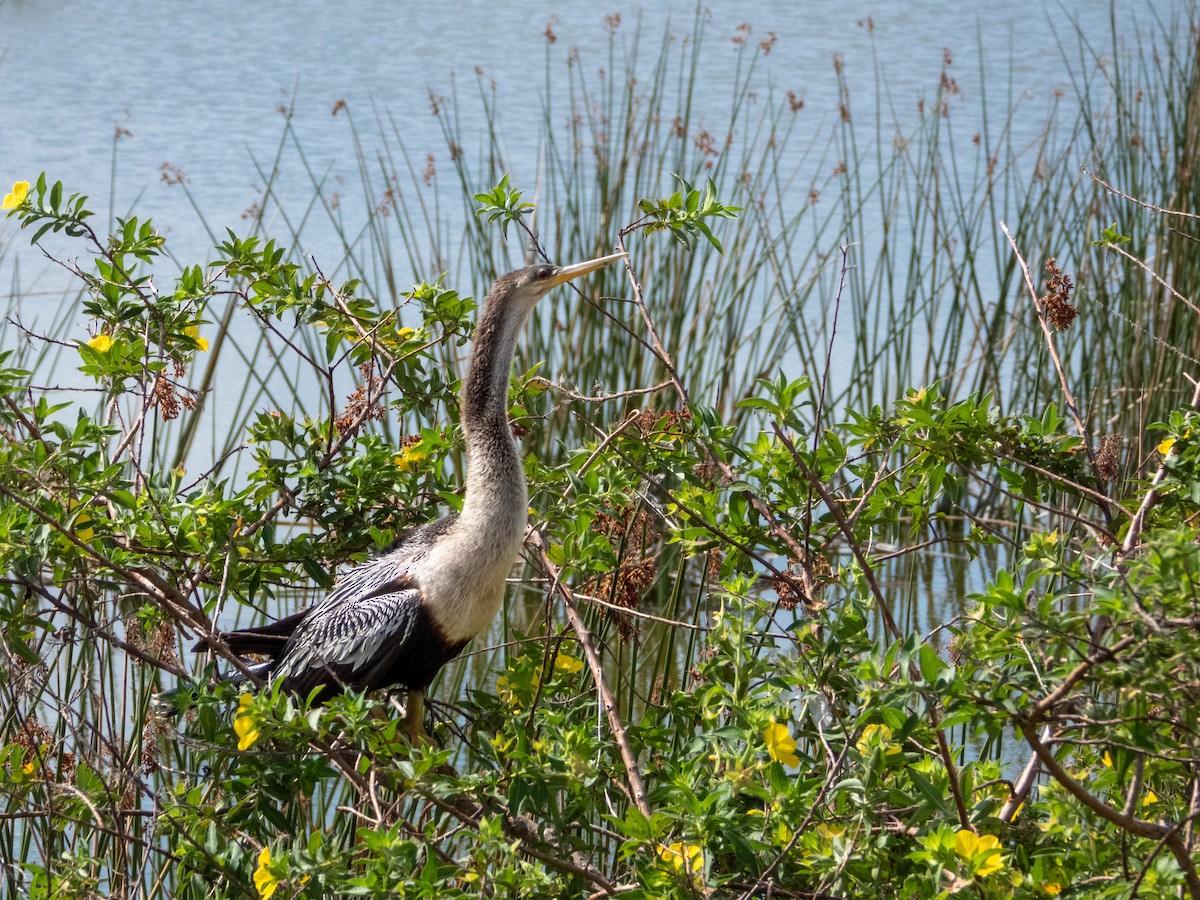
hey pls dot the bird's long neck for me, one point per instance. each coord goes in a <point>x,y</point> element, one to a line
<point>495,509</point>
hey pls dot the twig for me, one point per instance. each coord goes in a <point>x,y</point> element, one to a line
<point>1142,203</point>
<point>637,787</point>
<point>1167,834</point>
<point>599,398</point>
<point>523,838</point>
<point>837,305</point>
<point>655,341</point>
<point>1139,517</point>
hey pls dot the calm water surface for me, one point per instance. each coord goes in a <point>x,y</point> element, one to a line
<point>198,85</point>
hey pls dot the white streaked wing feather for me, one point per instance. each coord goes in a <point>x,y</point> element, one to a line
<point>354,636</point>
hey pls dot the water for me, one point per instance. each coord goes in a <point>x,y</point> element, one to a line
<point>198,86</point>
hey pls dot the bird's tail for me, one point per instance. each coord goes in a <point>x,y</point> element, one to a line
<point>263,640</point>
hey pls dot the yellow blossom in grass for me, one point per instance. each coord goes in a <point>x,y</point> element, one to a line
<point>101,343</point>
<point>264,879</point>
<point>19,192</point>
<point>981,851</point>
<point>876,735</point>
<point>1052,887</point>
<point>780,744</point>
<point>193,331</point>
<point>684,857</point>
<point>568,664</point>
<point>245,724</point>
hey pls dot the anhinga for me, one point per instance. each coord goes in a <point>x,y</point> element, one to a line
<point>397,619</point>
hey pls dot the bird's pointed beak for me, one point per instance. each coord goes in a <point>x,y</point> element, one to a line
<point>566,273</point>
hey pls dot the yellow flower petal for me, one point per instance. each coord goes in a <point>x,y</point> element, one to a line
<point>19,192</point>
<point>568,664</point>
<point>410,458</point>
<point>101,343</point>
<point>1107,760</point>
<point>1165,445</point>
<point>1052,887</point>
<point>965,843</point>
<point>27,768</point>
<point>193,331</point>
<point>981,851</point>
<point>781,746</point>
<point>264,879</point>
<point>1150,797</point>
<point>245,723</point>
<point>682,856</point>
<point>84,534</point>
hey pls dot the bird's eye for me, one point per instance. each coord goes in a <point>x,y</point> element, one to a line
<point>545,271</point>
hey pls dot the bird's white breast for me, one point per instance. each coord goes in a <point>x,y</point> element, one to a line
<point>463,577</point>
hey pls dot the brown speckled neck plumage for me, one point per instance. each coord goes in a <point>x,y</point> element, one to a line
<point>496,500</point>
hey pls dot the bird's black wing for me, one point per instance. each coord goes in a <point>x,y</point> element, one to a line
<point>347,640</point>
<point>372,630</point>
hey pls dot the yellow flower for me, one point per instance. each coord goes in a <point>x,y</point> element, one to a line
<point>1107,760</point>
<point>780,744</point>
<point>100,343</point>
<point>27,768</point>
<point>830,832</point>
<point>1150,797</point>
<point>19,192</point>
<point>1052,887</point>
<point>410,458</point>
<point>684,857</point>
<point>876,735</point>
<point>981,851</point>
<point>245,724</point>
<point>193,331</point>
<point>264,879</point>
<point>505,692</point>
<point>84,534</point>
<point>1165,445</point>
<point>568,664</point>
<point>405,333</point>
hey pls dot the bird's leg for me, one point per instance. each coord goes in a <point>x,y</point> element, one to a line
<point>414,719</point>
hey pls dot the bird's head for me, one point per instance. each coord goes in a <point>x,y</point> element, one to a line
<point>525,287</point>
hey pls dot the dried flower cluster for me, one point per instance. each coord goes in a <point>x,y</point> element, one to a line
<point>637,533</point>
<point>164,396</point>
<point>363,404</point>
<point>1057,302</point>
<point>1108,457</point>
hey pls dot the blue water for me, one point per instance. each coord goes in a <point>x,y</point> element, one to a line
<point>198,85</point>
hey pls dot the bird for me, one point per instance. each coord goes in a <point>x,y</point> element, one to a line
<point>396,620</point>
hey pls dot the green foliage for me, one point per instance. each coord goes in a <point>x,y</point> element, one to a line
<point>683,214</point>
<point>1110,236</point>
<point>502,204</point>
